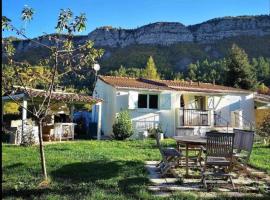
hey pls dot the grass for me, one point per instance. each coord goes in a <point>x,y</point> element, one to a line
<point>260,157</point>
<point>87,170</point>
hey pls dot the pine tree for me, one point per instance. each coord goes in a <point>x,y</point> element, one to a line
<point>193,71</point>
<point>122,71</point>
<point>240,73</point>
<point>150,71</point>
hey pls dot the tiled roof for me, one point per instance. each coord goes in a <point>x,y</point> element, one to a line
<point>126,82</point>
<point>200,86</point>
<point>262,98</point>
<point>140,83</point>
<point>58,96</point>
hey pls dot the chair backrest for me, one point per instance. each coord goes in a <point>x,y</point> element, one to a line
<point>237,139</point>
<point>243,140</point>
<point>219,144</point>
<point>157,137</point>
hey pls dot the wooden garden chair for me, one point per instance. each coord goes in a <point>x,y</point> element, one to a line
<point>170,158</point>
<point>243,144</point>
<point>218,160</point>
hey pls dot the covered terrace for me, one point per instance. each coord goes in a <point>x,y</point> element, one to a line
<point>58,124</point>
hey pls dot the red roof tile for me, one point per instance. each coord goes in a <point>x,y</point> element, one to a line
<point>126,82</point>
<point>140,83</point>
<point>58,96</point>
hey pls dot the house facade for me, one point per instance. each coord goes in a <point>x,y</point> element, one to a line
<point>179,107</point>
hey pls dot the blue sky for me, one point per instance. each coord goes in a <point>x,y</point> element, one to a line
<point>129,13</point>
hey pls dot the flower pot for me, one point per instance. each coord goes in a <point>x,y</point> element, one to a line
<point>145,134</point>
<point>161,136</point>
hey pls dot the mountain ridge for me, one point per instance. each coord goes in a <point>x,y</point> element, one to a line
<point>167,33</point>
<point>172,44</point>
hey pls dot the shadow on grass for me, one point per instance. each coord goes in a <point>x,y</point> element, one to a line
<point>87,171</point>
<point>262,147</point>
<point>153,146</point>
<point>15,165</point>
<point>86,178</point>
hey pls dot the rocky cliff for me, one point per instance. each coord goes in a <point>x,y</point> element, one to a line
<point>163,33</point>
<point>226,27</point>
<point>172,44</point>
<point>167,33</point>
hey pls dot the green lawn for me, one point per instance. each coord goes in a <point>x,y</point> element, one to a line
<point>89,170</point>
<point>260,157</point>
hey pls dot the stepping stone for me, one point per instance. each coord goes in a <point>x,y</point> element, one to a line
<point>164,186</point>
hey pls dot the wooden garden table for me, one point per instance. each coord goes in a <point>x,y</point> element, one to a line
<point>189,141</point>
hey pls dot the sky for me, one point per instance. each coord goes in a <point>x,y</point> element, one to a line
<point>128,13</point>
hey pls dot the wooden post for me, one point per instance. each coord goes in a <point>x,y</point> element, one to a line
<point>71,119</point>
<point>71,112</point>
<point>211,118</point>
<point>240,119</point>
<point>186,159</point>
<point>99,110</point>
<point>2,113</point>
<point>24,115</point>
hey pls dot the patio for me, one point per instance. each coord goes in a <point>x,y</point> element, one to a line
<point>245,185</point>
<point>218,164</point>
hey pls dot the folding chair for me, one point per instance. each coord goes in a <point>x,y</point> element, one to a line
<point>170,158</point>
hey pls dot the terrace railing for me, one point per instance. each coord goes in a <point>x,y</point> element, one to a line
<point>194,117</point>
<point>145,123</point>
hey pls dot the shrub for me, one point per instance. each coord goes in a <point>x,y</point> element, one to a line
<point>152,131</point>
<point>264,129</point>
<point>122,128</point>
<point>28,137</point>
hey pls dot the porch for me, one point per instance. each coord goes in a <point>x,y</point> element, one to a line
<point>198,122</point>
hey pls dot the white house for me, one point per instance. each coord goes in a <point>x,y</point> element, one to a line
<point>180,107</point>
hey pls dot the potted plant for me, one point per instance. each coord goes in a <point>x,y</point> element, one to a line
<point>160,131</point>
<point>145,134</point>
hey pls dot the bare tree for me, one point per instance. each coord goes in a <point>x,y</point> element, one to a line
<point>64,58</point>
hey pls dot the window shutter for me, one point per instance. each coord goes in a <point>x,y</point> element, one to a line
<point>132,100</point>
<point>165,101</point>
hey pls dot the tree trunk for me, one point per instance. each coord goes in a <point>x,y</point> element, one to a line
<point>41,150</point>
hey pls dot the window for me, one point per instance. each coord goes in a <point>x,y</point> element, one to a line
<point>153,101</point>
<point>142,101</point>
<point>148,101</point>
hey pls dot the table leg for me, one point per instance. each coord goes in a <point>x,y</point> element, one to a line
<point>186,159</point>
<point>178,148</point>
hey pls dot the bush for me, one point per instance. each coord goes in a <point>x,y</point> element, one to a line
<point>152,131</point>
<point>28,137</point>
<point>264,129</point>
<point>122,128</point>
